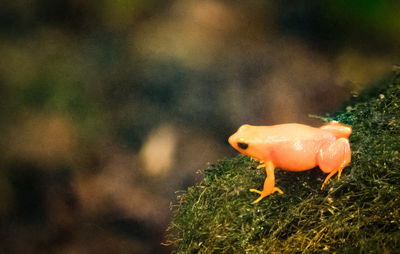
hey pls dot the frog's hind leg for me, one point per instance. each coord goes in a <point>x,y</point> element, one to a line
<point>269,183</point>
<point>333,157</point>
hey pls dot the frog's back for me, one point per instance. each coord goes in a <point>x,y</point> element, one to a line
<point>293,131</point>
<point>294,146</point>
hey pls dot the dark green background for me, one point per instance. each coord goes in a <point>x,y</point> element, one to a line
<point>85,85</point>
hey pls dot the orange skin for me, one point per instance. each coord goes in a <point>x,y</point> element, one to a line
<point>294,147</point>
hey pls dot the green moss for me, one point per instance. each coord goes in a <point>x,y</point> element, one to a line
<point>359,213</point>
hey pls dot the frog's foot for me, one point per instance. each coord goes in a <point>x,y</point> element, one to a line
<point>332,173</point>
<point>263,194</point>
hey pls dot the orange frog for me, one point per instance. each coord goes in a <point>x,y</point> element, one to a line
<point>294,147</point>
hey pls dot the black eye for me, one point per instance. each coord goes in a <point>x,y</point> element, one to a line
<point>242,145</point>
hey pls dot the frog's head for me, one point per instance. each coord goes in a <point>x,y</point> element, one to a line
<point>246,140</point>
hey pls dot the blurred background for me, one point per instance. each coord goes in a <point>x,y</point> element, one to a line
<point>110,107</point>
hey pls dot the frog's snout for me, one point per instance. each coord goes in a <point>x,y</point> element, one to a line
<point>231,140</point>
<point>236,143</point>
<point>236,139</point>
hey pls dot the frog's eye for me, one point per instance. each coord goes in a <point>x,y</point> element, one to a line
<point>243,146</point>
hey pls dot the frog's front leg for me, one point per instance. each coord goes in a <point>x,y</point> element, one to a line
<point>333,157</point>
<point>269,183</point>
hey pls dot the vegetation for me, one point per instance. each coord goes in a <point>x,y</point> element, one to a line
<point>360,213</point>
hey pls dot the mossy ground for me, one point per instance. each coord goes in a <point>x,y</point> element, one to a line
<point>360,213</point>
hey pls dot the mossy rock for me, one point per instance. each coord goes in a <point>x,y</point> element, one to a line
<point>358,214</point>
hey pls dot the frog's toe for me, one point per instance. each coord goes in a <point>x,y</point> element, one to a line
<point>259,199</point>
<point>263,194</point>
<point>256,191</point>
<point>262,165</point>
<point>278,190</point>
<point>340,172</point>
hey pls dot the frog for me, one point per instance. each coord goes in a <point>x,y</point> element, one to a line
<point>294,147</point>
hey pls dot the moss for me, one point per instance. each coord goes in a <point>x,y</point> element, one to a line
<point>359,213</point>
